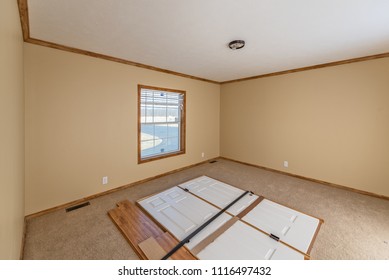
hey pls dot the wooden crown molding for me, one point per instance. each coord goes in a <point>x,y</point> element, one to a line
<point>334,63</point>
<point>24,19</point>
<point>111,58</point>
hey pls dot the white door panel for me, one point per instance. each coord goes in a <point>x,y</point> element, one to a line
<point>181,213</point>
<point>292,227</point>
<point>219,193</point>
<point>242,242</point>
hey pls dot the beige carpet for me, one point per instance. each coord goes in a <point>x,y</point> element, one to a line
<point>356,226</point>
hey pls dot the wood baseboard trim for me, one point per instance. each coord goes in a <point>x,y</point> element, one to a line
<point>311,179</point>
<point>22,246</point>
<point>78,201</point>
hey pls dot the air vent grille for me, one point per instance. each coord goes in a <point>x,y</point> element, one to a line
<point>75,207</point>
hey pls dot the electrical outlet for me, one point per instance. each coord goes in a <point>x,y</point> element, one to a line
<point>202,154</point>
<point>105,180</point>
<point>286,164</point>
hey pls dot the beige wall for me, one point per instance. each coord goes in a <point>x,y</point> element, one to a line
<point>331,124</point>
<point>12,131</point>
<point>81,125</point>
<point>81,117</point>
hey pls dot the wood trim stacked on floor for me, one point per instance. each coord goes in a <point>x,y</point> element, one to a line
<point>63,206</point>
<point>310,179</point>
<point>136,230</point>
<point>151,248</point>
<point>140,231</point>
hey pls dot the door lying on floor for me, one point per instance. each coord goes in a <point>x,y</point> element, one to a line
<point>292,227</point>
<point>242,232</point>
<point>242,242</point>
<point>180,213</point>
<point>218,193</point>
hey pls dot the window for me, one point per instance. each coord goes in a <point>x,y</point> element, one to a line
<point>161,123</point>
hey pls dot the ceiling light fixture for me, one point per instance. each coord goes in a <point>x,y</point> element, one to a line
<point>236,44</point>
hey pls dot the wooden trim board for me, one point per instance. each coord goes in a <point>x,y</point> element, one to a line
<point>252,206</point>
<point>306,255</point>
<point>205,242</point>
<point>199,197</point>
<point>310,179</point>
<point>181,213</point>
<point>138,233</point>
<point>151,249</point>
<point>25,23</point>
<point>312,67</point>
<point>241,242</point>
<point>75,202</point>
<point>23,244</point>
<point>315,236</point>
<point>24,18</point>
<point>320,220</point>
<point>182,130</point>
<point>204,181</point>
<point>114,59</point>
<point>231,211</point>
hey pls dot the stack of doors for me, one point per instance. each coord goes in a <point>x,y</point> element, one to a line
<point>252,228</point>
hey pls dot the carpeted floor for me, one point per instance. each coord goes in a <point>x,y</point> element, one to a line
<point>356,226</point>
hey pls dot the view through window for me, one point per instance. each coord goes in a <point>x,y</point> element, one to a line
<point>161,123</point>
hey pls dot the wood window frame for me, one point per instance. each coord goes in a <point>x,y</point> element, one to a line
<point>182,136</point>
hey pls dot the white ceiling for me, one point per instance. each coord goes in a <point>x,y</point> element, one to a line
<point>191,36</point>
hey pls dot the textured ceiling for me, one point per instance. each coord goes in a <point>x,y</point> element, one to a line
<point>191,36</point>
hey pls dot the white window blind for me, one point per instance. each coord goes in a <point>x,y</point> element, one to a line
<point>160,122</point>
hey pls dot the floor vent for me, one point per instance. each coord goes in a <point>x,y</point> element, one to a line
<point>77,206</point>
<point>213,161</point>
